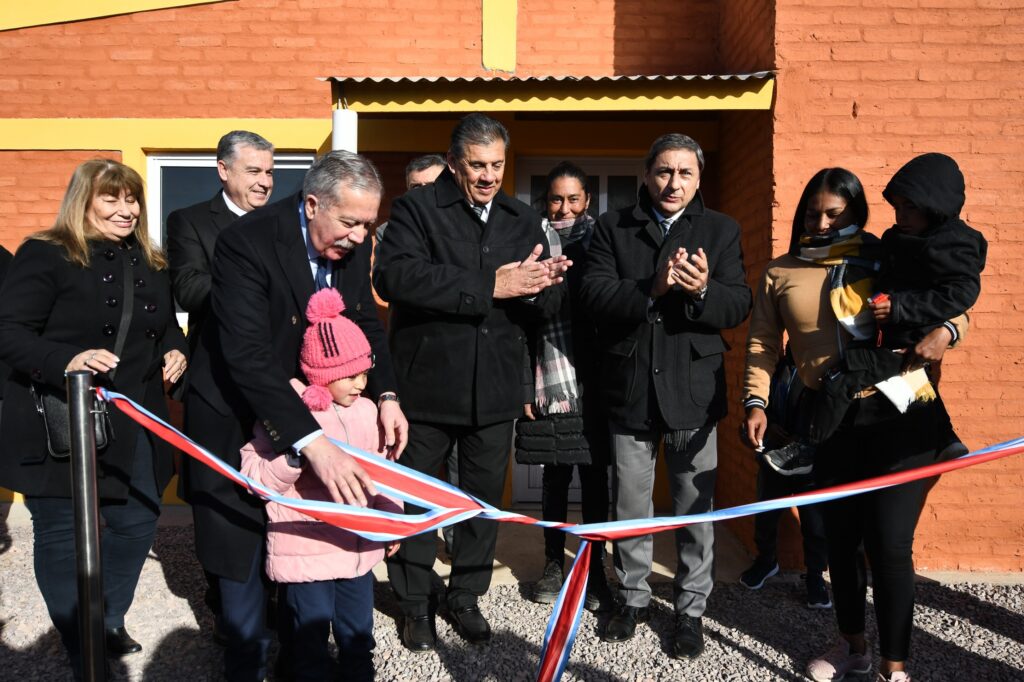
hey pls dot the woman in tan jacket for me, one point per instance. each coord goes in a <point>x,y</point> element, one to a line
<point>799,295</point>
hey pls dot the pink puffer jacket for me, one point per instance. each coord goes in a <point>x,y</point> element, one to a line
<point>299,548</point>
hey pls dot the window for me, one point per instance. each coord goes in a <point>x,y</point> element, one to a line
<point>179,180</point>
<point>613,181</point>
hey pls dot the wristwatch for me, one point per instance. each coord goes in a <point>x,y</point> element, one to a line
<point>387,396</point>
<point>701,293</point>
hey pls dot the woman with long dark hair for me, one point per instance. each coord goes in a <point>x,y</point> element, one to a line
<point>90,285</point>
<point>805,293</point>
<point>563,427</point>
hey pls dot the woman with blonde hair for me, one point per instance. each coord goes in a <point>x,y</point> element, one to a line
<point>90,293</point>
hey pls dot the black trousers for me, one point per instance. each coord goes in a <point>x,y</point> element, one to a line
<point>875,439</point>
<point>125,539</point>
<point>555,504</point>
<point>483,463</point>
<point>771,485</point>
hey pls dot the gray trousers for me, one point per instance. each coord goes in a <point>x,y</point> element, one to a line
<point>691,469</point>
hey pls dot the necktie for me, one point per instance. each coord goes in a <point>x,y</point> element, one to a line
<point>666,225</point>
<point>479,210</point>
<point>323,266</point>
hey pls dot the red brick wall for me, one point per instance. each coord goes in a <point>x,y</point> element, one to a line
<point>746,36</point>
<point>608,37</point>
<point>746,182</point>
<point>868,85</point>
<point>246,58</point>
<point>32,184</point>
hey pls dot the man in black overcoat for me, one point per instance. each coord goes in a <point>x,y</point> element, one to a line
<point>461,268</point>
<point>245,166</point>
<point>264,270</point>
<point>662,278</point>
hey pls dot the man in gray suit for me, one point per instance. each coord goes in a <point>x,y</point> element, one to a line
<point>663,278</point>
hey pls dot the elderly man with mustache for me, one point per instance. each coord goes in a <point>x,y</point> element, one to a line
<point>265,267</point>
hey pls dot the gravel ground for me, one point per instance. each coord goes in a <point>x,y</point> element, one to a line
<point>962,631</point>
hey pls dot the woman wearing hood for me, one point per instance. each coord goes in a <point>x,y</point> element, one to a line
<point>563,426</point>
<point>819,294</point>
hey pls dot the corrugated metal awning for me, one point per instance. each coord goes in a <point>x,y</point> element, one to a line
<point>420,94</point>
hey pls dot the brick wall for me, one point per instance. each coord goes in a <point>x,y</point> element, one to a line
<point>32,184</point>
<point>607,37</point>
<point>247,58</point>
<point>746,36</point>
<point>868,85</point>
<point>745,177</point>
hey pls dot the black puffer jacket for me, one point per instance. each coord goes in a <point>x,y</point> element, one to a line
<point>936,275</point>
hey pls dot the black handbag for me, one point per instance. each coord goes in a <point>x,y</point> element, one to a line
<point>52,403</point>
<point>787,403</point>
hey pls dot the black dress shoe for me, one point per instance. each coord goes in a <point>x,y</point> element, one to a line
<point>471,624</point>
<point>689,637</point>
<point>120,643</point>
<point>622,625</point>
<point>418,634</point>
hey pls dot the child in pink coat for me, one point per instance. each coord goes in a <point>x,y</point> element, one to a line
<point>324,570</point>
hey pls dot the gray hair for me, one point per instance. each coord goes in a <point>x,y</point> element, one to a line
<point>227,148</point>
<point>476,129</point>
<point>422,163</point>
<point>671,142</point>
<point>337,168</point>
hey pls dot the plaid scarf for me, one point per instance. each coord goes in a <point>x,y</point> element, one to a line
<point>853,257</point>
<point>556,386</point>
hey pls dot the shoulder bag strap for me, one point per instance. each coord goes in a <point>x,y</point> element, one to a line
<point>128,304</point>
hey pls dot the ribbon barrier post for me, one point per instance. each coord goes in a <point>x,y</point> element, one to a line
<point>87,527</point>
<point>447,505</point>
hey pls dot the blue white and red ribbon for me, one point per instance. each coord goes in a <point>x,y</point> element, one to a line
<point>447,505</point>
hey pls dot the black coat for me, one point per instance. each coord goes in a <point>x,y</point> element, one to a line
<point>458,352</point>
<point>248,354</point>
<point>936,275</point>
<point>662,368</point>
<point>53,310</point>
<point>261,285</point>
<point>191,235</point>
<point>5,262</point>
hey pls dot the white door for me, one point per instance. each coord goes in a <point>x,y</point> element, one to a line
<point>613,183</point>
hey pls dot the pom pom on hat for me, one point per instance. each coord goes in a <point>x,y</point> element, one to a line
<point>333,347</point>
<point>323,305</point>
<point>317,398</point>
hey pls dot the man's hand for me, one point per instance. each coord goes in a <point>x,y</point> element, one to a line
<point>529,277</point>
<point>396,428</point>
<point>754,427</point>
<point>691,272</point>
<point>391,547</point>
<point>663,280</point>
<point>345,479</point>
<point>528,411</point>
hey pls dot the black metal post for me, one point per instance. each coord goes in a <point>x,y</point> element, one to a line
<point>87,528</point>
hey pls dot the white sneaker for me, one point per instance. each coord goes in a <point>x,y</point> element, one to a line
<point>838,662</point>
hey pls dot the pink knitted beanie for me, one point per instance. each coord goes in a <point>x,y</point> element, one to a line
<point>333,347</point>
